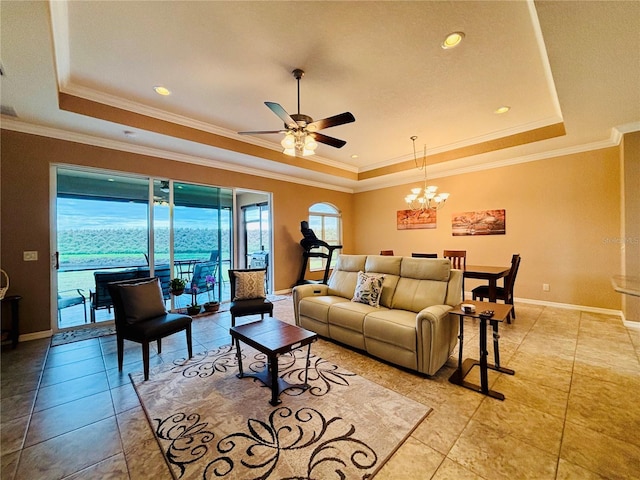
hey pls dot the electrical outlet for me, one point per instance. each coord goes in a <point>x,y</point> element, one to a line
<point>545,287</point>
<point>30,256</point>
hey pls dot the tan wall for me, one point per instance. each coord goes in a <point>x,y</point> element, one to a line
<point>630,236</point>
<point>562,216</point>
<point>25,213</point>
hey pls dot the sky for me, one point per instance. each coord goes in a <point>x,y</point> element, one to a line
<point>97,214</point>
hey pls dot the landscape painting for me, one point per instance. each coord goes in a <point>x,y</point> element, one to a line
<point>413,219</point>
<point>485,222</point>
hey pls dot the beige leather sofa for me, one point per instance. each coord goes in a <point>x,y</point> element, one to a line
<point>411,327</point>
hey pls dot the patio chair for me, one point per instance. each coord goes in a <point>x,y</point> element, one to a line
<point>100,297</point>
<point>248,295</point>
<point>163,272</point>
<point>66,301</point>
<point>141,316</point>
<point>199,279</point>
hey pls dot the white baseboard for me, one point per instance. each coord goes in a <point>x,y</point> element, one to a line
<point>35,335</point>
<point>583,308</point>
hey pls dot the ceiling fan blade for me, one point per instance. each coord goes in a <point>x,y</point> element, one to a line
<point>346,117</point>
<point>282,113</point>
<point>327,140</point>
<point>261,132</point>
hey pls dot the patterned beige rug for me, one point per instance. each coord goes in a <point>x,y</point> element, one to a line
<point>211,424</point>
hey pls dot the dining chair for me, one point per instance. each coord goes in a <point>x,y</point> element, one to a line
<point>387,253</point>
<point>141,317</point>
<point>458,260</point>
<point>502,293</point>
<point>248,295</point>
<point>424,255</point>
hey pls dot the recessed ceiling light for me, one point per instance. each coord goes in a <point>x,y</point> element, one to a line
<point>503,109</point>
<point>452,40</point>
<point>354,156</point>
<point>160,90</point>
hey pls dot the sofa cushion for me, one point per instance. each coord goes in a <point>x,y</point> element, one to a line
<point>317,308</point>
<point>426,268</point>
<point>349,315</point>
<point>383,264</point>
<point>343,279</point>
<point>414,295</point>
<point>395,327</point>
<point>142,301</point>
<point>390,266</point>
<point>368,288</point>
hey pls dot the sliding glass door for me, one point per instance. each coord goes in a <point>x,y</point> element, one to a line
<point>102,227</point>
<point>202,239</point>
<point>112,226</point>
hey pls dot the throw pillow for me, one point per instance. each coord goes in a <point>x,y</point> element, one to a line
<point>142,301</point>
<point>249,285</point>
<point>368,288</point>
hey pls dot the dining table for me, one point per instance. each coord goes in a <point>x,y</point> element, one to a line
<point>489,273</point>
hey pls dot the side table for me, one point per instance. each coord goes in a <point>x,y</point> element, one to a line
<point>501,313</point>
<point>14,331</point>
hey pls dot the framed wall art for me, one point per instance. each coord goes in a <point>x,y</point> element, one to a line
<point>484,222</point>
<point>413,219</point>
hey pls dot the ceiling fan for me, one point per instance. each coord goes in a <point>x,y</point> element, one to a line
<point>301,132</point>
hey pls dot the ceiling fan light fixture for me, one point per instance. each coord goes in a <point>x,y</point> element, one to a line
<point>310,143</point>
<point>290,151</point>
<point>289,141</point>
<point>452,40</point>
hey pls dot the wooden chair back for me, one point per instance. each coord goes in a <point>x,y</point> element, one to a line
<point>424,255</point>
<point>388,253</point>
<point>510,279</point>
<point>458,258</point>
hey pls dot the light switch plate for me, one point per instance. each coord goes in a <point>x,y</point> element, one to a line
<point>30,256</point>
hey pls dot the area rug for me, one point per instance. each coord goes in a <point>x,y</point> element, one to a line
<point>277,298</point>
<point>211,424</point>
<point>79,334</point>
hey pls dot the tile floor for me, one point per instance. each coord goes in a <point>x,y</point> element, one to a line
<point>571,410</point>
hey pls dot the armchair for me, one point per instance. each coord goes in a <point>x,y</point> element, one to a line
<point>141,317</point>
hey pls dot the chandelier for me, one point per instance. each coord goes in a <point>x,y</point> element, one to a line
<point>426,198</point>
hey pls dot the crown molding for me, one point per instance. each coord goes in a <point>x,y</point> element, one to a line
<point>470,142</point>
<point>173,118</point>
<point>613,141</point>
<point>32,129</point>
<point>404,178</point>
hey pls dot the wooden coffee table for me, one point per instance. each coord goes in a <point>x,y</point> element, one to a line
<point>272,337</point>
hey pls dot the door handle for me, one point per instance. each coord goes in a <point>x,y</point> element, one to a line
<point>56,261</point>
